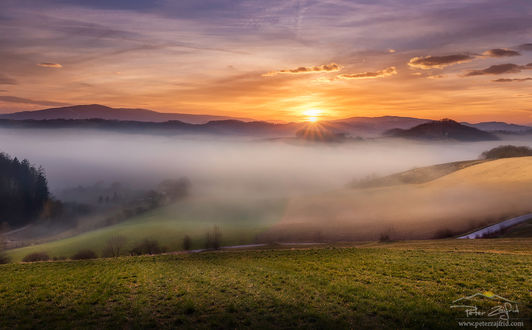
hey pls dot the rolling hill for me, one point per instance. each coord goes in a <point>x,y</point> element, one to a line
<point>475,195</point>
<point>445,129</point>
<point>96,116</point>
<point>500,127</point>
<point>92,111</point>
<point>469,198</point>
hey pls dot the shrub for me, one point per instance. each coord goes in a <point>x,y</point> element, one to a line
<point>84,254</point>
<point>444,233</point>
<point>507,151</point>
<point>4,259</point>
<point>36,256</point>
<point>385,238</point>
<point>147,246</point>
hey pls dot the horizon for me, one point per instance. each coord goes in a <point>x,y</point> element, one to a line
<point>297,61</point>
<point>310,118</point>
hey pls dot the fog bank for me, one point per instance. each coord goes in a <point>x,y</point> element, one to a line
<point>221,165</point>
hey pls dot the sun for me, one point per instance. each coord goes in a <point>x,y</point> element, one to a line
<point>312,115</point>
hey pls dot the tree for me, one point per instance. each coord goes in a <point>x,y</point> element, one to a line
<point>23,191</point>
<point>115,245</point>
<point>4,259</point>
<point>214,239</point>
<point>174,189</point>
<point>186,243</point>
<point>507,151</point>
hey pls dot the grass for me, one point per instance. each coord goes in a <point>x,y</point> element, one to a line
<point>240,221</point>
<point>371,285</point>
<point>416,175</point>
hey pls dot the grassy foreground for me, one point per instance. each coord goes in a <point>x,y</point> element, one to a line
<point>394,285</point>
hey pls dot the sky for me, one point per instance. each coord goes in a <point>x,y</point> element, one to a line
<point>275,60</point>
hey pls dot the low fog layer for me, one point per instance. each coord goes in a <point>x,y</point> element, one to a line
<point>221,165</point>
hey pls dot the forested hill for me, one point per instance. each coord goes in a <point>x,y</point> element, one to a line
<point>23,191</point>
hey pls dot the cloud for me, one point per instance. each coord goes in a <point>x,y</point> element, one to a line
<point>439,62</point>
<point>314,69</point>
<point>500,52</point>
<point>369,75</point>
<point>5,80</point>
<point>526,47</point>
<point>436,76</point>
<point>15,99</point>
<point>512,79</point>
<point>500,69</point>
<point>50,65</point>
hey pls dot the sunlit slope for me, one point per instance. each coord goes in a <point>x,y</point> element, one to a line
<point>240,220</point>
<point>505,171</point>
<point>466,199</point>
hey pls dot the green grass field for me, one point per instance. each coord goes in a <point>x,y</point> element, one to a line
<point>239,220</point>
<point>370,285</point>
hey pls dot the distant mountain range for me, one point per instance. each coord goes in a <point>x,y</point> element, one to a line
<point>445,129</point>
<point>96,111</point>
<point>497,126</point>
<point>147,121</point>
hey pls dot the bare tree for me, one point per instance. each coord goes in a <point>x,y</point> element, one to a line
<point>214,239</point>
<point>115,244</point>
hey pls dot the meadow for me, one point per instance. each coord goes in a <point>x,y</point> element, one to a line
<point>366,285</point>
<point>239,219</point>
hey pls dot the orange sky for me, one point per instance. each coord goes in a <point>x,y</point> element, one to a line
<point>426,59</point>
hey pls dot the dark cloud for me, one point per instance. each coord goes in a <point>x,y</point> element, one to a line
<point>431,62</point>
<point>5,80</point>
<point>15,99</point>
<point>500,52</point>
<point>526,47</point>
<point>512,79</point>
<point>500,69</point>
<point>302,69</point>
<point>50,65</point>
<point>369,75</point>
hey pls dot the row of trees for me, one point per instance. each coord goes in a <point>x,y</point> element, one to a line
<point>23,191</point>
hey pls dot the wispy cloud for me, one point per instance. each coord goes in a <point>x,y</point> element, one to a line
<point>302,69</point>
<point>21,100</point>
<point>369,75</point>
<point>439,62</point>
<point>500,52</point>
<point>512,79</point>
<point>526,46</point>
<point>499,69</point>
<point>5,80</point>
<point>50,65</point>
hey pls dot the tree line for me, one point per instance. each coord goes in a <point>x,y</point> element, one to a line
<point>23,191</point>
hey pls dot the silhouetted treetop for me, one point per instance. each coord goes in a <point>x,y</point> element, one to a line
<point>23,191</point>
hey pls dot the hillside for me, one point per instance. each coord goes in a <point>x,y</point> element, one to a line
<point>470,198</point>
<point>372,126</point>
<point>152,122</point>
<point>414,176</point>
<point>445,129</point>
<point>499,127</point>
<point>240,221</point>
<point>475,195</point>
<point>92,111</point>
